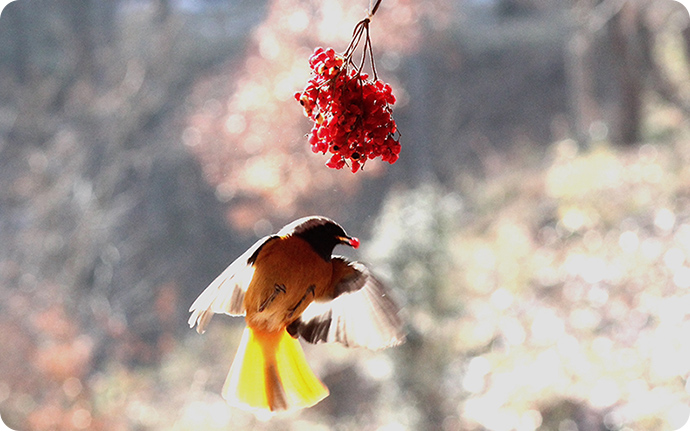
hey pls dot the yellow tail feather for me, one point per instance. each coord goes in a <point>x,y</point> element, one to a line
<point>270,374</point>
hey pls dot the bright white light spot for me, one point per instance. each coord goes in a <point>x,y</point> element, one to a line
<point>664,219</point>
<point>473,383</point>
<point>530,421</point>
<point>501,299</point>
<point>569,346</point>
<point>653,173</point>
<point>584,318</point>
<point>284,88</point>
<point>637,388</point>
<point>393,426</point>
<point>269,47</point>
<point>545,370</point>
<point>479,365</point>
<point>262,173</point>
<point>332,24</point>
<point>512,330</point>
<point>597,296</point>
<point>574,263</point>
<point>253,96</point>
<point>504,420</point>
<point>573,219</point>
<point>602,346</point>
<point>485,257</point>
<point>667,361</point>
<point>379,367</point>
<point>591,269</point>
<point>490,415</point>
<point>220,414</point>
<point>594,271</point>
<point>298,21</point>
<point>651,248</point>
<point>207,415</point>
<point>674,258</point>
<point>477,369</point>
<point>629,241</point>
<point>235,124</point>
<point>604,393</point>
<point>547,327</point>
<point>678,417</point>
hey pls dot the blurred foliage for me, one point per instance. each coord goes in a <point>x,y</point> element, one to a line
<point>249,132</point>
<point>144,144</point>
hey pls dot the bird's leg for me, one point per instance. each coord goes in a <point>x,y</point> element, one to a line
<point>310,289</point>
<point>278,288</point>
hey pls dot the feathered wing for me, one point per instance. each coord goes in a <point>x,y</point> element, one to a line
<point>226,293</point>
<point>357,311</point>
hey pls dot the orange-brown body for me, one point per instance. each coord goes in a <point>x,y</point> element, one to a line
<point>291,264</point>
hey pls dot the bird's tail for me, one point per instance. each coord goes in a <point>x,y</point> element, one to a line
<point>270,374</point>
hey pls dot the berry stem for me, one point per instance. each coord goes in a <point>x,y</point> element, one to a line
<point>360,29</point>
<point>368,46</point>
<point>372,10</point>
<point>367,41</point>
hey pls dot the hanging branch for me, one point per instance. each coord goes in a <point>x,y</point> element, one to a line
<point>372,10</point>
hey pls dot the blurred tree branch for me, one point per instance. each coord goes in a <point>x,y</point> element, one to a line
<point>616,38</point>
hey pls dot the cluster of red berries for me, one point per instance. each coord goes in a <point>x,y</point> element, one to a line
<point>351,113</point>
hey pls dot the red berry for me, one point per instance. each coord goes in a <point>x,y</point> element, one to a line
<point>351,114</point>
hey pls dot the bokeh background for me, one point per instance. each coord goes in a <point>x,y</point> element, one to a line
<point>536,227</point>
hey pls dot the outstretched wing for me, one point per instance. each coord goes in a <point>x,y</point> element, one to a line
<point>226,293</point>
<point>357,311</point>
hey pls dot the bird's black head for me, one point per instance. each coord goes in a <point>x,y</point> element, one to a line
<point>322,233</point>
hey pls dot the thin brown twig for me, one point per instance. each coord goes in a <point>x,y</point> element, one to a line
<point>369,45</point>
<point>364,50</point>
<point>372,10</point>
<point>356,37</point>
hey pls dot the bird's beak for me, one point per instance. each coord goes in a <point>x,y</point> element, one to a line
<point>351,241</point>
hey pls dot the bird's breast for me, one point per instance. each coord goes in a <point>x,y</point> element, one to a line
<point>288,275</point>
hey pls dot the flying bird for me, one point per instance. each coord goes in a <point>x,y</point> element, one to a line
<point>290,285</point>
